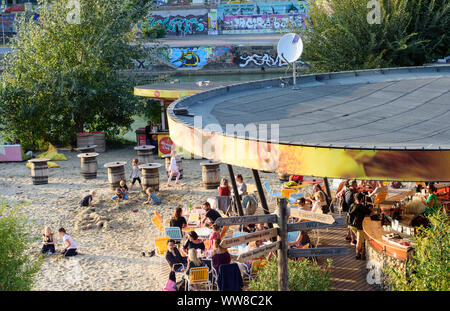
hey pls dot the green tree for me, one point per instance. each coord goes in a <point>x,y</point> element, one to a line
<point>304,275</point>
<point>63,72</point>
<point>341,38</point>
<point>429,269</point>
<point>17,268</point>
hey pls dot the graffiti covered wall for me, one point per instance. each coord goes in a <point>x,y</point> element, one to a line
<point>263,17</point>
<point>193,21</point>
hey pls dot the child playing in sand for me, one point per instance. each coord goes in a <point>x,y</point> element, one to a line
<point>124,188</point>
<point>49,243</point>
<point>71,246</point>
<point>119,195</point>
<point>135,174</point>
<point>87,200</point>
<point>173,168</point>
<point>152,197</point>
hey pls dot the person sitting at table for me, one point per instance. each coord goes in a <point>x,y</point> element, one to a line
<point>215,234</point>
<point>211,214</point>
<point>254,245</point>
<point>249,228</point>
<point>177,220</point>
<point>193,242</point>
<point>193,262</point>
<point>224,188</point>
<point>302,240</point>
<point>176,262</point>
<point>301,203</point>
<point>241,186</point>
<point>431,201</point>
<point>260,227</point>
<point>220,255</point>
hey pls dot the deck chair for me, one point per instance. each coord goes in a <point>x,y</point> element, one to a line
<point>161,249</point>
<point>269,191</point>
<point>198,276</point>
<point>224,231</point>
<point>159,225</point>
<point>255,267</point>
<point>157,214</point>
<point>174,233</point>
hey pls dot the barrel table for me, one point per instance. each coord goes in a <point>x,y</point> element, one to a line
<point>150,175</point>
<point>210,174</point>
<point>88,165</point>
<point>116,173</point>
<point>179,164</point>
<point>283,176</point>
<point>144,153</point>
<point>87,149</point>
<point>39,171</point>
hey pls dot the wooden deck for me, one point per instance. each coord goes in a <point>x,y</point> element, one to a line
<point>348,274</point>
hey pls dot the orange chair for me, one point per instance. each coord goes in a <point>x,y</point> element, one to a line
<point>224,231</point>
<point>287,193</point>
<point>158,223</point>
<point>161,248</point>
<point>206,242</point>
<point>256,266</point>
<point>198,276</point>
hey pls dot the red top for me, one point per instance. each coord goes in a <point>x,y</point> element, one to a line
<point>224,191</point>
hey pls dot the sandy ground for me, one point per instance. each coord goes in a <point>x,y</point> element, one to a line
<point>111,256</point>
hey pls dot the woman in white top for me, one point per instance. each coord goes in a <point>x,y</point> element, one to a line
<point>71,246</point>
<point>173,168</point>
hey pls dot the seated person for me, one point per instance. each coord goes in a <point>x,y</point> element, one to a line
<point>241,186</point>
<point>152,197</point>
<point>176,262</point>
<point>193,242</point>
<point>124,187</point>
<point>301,203</point>
<point>220,255</point>
<point>177,220</point>
<point>224,189</point>
<point>87,200</point>
<point>71,246</point>
<point>249,228</point>
<point>210,215</point>
<point>302,240</point>
<point>119,195</point>
<point>193,262</point>
<point>215,234</point>
<point>49,243</point>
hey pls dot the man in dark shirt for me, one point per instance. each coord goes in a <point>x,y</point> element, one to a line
<point>176,261</point>
<point>211,214</point>
<point>357,212</point>
<point>149,137</point>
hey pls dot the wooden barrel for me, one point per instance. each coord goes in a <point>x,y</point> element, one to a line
<point>39,171</point>
<point>179,164</point>
<point>87,149</point>
<point>150,175</point>
<point>144,153</point>
<point>99,140</point>
<point>88,165</point>
<point>116,173</point>
<point>210,174</point>
<point>84,139</point>
<point>283,176</point>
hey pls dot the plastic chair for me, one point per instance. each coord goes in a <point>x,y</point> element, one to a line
<point>157,214</point>
<point>287,193</point>
<point>293,236</point>
<point>269,191</point>
<point>256,266</point>
<point>224,231</point>
<point>236,234</point>
<point>157,222</point>
<point>161,248</point>
<point>174,233</point>
<point>198,276</point>
<point>206,242</point>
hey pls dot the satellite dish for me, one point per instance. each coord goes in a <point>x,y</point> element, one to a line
<point>290,48</point>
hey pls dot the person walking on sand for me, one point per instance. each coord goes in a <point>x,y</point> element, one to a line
<point>173,168</point>
<point>71,246</point>
<point>135,174</point>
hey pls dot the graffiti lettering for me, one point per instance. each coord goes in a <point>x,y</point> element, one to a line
<point>272,21</point>
<point>261,60</point>
<point>189,57</point>
<point>190,24</point>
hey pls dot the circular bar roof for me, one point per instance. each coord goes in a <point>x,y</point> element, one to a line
<point>397,111</point>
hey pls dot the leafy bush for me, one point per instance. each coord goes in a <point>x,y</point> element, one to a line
<point>340,37</point>
<point>17,268</point>
<point>304,275</point>
<point>429,269</point>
